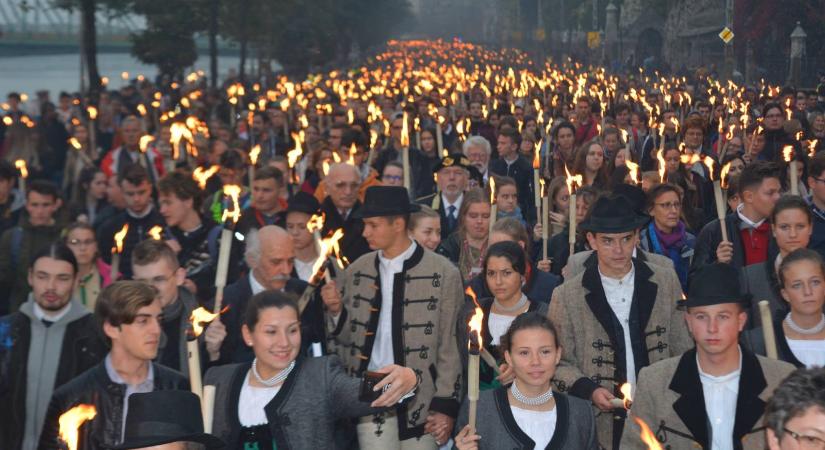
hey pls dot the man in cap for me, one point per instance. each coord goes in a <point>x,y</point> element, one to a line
<point>712,396</point>
<point>399,303</point>
<point>452,174</point>
<point>166,420</point>
<point>616,317</point>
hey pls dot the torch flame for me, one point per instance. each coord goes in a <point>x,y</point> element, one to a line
<point>648,438</point>
<point>405,132</point>
<point>119,237</point>
<point>21,166</point>
<point>353,150</point>
<point>634,170</point>
<point>315,223</point>
<point>70,422</point>
<point>92,112</point>
<point>233,192</point>
<point>787,153</point>
<point>199,317</point>
<point>661,158</point>
<point>144,142</point>
<point>573,182</point>
<point>155,232</point>
<point>254,153</point>
<point>812,147</point>
<point>328,245</point>
<point>708,161</point>
<point>627,394</point>
<point>492,190</point>
<point>723,175</point>
<point>536,157</point>
<point>477,320</point>
<point>202,175</point>
<point>75,143</point>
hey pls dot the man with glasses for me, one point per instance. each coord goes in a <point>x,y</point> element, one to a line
<point>342,184</point>
<point>713,396</point>
<point>795,416</point>
<point>155,263</point>
<point>452,176</point>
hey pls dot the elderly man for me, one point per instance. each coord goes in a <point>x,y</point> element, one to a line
<point>616,317</point>
<point>452,174</point>
<point>477,149</point>
<point>118,160</point>
<point>342,184</point>
<point>270,255</point>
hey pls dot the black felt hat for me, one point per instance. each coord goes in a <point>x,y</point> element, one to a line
<point>715,284</point>
<point>162,417</point>
<point>382,201</point>
<point>303,202</point>
<point>613,214</point>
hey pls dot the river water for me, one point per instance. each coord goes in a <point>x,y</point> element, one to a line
<point>28,74</point>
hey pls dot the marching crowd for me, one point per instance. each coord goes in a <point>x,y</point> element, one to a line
<point>637,260</point>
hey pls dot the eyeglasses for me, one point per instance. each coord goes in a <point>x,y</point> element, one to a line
<point>807,442</point>
<point>669,205</point>
<point>392,177</point>
<point>820,180</point>
<point>82,243</point>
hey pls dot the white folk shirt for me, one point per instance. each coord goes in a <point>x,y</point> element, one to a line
<point>382,352</point>
<point>720,403</point>
<point>619,294</point>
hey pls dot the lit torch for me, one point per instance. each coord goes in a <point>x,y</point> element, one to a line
<point>573,182</point>
<point>156,233</point>
<point>662,167</point>
<point>788,155</point>
<point>70,421</point>
<point>493,205</point>
<point>198,317</point>
<point>254,152</point>
<point>233,213</point>
<point>633,171</point>
<point>537,178</point>
<point>405,153</point>
<point>92,111</point>
<point>717,194</point>
<point>627,398</point>
<point>328,247</point>
<point>473,363</point>
<point>314,226</point>
<point>647,436</point>
<point>20,164</point>
<point>812,147</point>
<point>114,270</point>
<point>202,175</point>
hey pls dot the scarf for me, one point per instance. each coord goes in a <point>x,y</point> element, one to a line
<point>673,240</point>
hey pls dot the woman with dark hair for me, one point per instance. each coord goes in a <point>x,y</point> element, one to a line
<point>591,165</point>
<point>502,300</point>
<point>677,174</point>
<point>528,414</point>
<point>799,330</point>
<point>282,400</point>
<point>466,246</point>
<point>791,227</point>
<point>558,247</point>
<point>564,150</point>
<point>538,284</point>
<point>667,233</point>
<point>89,196</point>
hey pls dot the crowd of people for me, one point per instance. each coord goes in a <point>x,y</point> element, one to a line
<point>603,241</point>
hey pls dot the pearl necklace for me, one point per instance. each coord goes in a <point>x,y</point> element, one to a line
<point>531,401</point>
<point>275,380</point>
<point>816,329</point>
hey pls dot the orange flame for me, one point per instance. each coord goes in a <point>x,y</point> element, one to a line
<point>492,190</point>
<point>661,158</point>
<point>315,223</point>
<point>233,192</point>
<point>353,150</point>
<point>141,109</point>
<point>143,144</point>
<point>75,143</point>
<point>690,159</point>
<point>254,153</point>
<point>634,170</point>
<point>709,162</point>
<point>328,246</point>
<point>294,155</point>
<point>199,317</point>
<point>812,147</point>
<point>477,320</point>
<point>624,135</point>
<point>648,438</point>
<point>21,166</point>
<point>405,132</point>
<point>119,237</point>
<point>70,422</point>
<point>627,390</point>
<point>723,175</point>
<point>8,120</point>
<point>536,157</point>
<point>787,153</point>
<point>202,175</point>
<point>92,112</point>
<point>573,182</point>
<point>155,232</point>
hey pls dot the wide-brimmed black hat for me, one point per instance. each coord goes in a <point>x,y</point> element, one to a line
<point>382,201</point>
<point>303,202</point>
<point>613,214</point>
<point>161,417</point>
<point>633,193</point>
<point>715,284</point>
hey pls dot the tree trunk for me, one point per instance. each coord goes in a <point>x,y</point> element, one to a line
<point>244,40</point>
<point>89,37</point>
<point>213,43</point>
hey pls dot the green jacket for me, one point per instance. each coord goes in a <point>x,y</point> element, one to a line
<point>17,247</point>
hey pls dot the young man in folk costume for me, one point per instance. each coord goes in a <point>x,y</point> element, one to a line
<point>713,396</point>
<point>399,303</point>
<point>616,317</point>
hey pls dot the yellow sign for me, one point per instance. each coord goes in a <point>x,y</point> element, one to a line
<point>726,35</point>
<point>594,39</point>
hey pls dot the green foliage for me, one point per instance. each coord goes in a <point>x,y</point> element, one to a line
<point>168,40</point>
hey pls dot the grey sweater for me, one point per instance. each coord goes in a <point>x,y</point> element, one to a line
<point>575,426</point>
<point>303,413</point>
